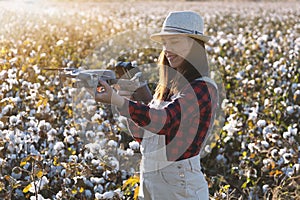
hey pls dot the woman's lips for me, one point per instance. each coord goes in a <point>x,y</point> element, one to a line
<point>171,57</point>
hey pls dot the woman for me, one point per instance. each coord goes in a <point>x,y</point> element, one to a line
<point>174,125</point>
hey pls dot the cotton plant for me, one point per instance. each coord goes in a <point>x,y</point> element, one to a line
<point>259,142</point>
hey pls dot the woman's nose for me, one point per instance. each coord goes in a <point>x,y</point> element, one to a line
<point>167,53</point>
<point>168,48</point>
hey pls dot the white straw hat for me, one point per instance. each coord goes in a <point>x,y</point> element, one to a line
<point>186,23</point>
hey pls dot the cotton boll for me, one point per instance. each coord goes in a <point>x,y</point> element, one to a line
<point>63,173</point>
<point>265,144</point>
<point>225,103</point>
<point>249,67</point>
<point>134,145</point>
<point>106,195</point>
<point>121,152</point>
<point>286,135</point>
<point>282,151</point>
<point>290,110</point>
<point>91,109</point>
<point>251,82</point>
<point>37,69</point>
<point>119,137</point>
<point>278,90</point>
<point>88,194</point>
<point>3,74</point>
<point>88,156</point>
<point>32,123</point>
<point>106,174</point>
<point>100,134</point>
<point>35,138</point>
<point>59,195</point>
<point>69,139</point>
<point>97,180</point>
<point>98,189</point>
<point>252,116</point>
<point>42,183</point>
<point>251,173</point>
<point>227,138</point>
<point>122,122</point>
<point>59,42</point>
<point>289,171</point>
<point>95,162</point>
<point>90,134</point>
<point>287,157</point>
<point>118,192</point>
<point>261,123</point>
<point>6,109</point>
<point>16,173</point>
<point>296,168</point>
<point>51,133</point>
<point>39,197</point>
<point>95,148</point>
<point>96,117</point>
<point>274,153</point>
<point>265,188</point>
<point>129,152</point>
<point>112,143</point>
<point>239,75</point>
<point>43,125</point>
<point>88,183</point>
<point>113,162</point>
<point>73,131</point>
<point>222,61</point>
<point>208,149</point>
<point>50,95</point>
<point>124,174</point>
<point>10,136</point>
<point>13,120</point>
<point>73,158</point>
<point>293,130</point>
<point>280,161</point>
<point>42,78</point>
<point>231,127</point>
<point>58,146</point>
<point>266,161</point>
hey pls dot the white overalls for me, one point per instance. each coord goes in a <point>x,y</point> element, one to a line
<point>161,179</point>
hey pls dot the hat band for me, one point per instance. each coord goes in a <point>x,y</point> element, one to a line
<point>181,30</point>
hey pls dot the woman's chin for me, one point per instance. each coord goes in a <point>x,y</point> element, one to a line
<point>175,65</point>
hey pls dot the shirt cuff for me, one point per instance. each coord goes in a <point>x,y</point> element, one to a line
<point>125,110</point>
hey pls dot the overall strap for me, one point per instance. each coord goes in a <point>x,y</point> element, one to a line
<point>209,132</point>
<point>208,80</point>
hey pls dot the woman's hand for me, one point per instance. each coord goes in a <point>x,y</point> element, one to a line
<point>126,88</point>
<point>106,94</point>
<point>137,91</point>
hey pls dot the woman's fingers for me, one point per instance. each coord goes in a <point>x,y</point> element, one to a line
<point>125,93</point>
<point>104,85</point>
<point>128,85</point>
<point>106,94</point>
<point>103,92</point>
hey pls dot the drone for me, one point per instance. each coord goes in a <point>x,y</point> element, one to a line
<point>89,78</point>
<point>122,72</point>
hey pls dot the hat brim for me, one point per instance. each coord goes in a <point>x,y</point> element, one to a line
<point>157,37</point>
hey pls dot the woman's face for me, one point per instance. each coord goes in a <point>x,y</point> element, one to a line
<point>176,49</point>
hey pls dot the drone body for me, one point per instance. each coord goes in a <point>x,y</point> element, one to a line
<point>123,74</point>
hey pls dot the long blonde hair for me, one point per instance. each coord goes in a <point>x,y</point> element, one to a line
<point>171,81</point>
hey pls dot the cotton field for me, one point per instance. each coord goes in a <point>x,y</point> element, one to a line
<point>56,143</point>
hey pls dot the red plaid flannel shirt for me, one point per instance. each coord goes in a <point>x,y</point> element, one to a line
<point>184,121</point>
